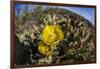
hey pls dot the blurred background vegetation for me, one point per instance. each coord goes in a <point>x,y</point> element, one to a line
<point>77,46</point>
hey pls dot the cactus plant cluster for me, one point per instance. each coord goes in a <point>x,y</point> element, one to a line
<point>57,36</point>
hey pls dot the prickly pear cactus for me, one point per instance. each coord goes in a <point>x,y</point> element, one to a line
<point>56,36</point>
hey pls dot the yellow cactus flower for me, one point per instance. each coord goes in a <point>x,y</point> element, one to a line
<point>44,49</point>
<point>52,34</point>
